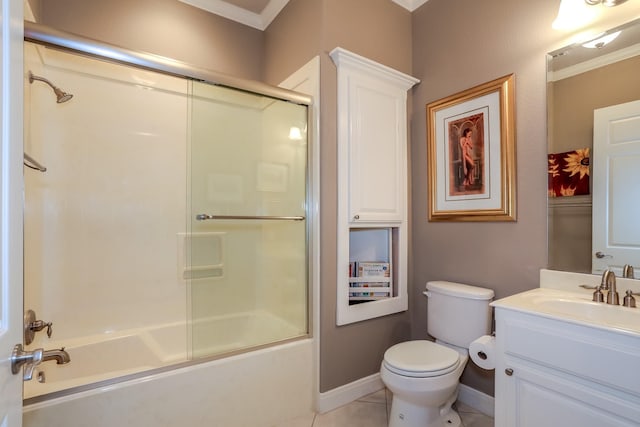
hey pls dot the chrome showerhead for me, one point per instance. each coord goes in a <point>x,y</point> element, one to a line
<point>61,96</point>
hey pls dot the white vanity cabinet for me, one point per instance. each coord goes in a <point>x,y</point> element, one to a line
<point>552,372</point>
<point>372,185</point>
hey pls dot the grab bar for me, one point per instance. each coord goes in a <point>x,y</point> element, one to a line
<point>34,163</point>
<point>203,217</point>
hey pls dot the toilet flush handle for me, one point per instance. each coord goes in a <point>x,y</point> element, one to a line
<point>427,294</point>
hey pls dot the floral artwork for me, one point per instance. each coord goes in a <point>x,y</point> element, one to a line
<point>569,173</point>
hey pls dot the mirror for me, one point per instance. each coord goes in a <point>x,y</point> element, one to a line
<point>579,81</point>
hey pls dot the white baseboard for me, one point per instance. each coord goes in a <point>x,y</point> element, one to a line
<point>340,396</point>
<point>347,393</point>
<point>476,399</point>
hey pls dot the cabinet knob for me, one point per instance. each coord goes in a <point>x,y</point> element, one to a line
<point>508,371</point>
<point>356,217</point>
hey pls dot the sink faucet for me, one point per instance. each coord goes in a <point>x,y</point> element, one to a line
<point>59,355</point>
<point>609,283</point>
<point>627,271</point>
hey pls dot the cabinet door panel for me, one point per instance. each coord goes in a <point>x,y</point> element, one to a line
<point>377,147</point>
<point>543,397</point>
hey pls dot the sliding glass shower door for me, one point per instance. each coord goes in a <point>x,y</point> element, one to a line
<point>246,243</point>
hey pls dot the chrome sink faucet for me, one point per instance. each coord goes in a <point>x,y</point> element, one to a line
<point>609,283</point>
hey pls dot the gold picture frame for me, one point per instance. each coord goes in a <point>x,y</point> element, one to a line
<point>471,154</point>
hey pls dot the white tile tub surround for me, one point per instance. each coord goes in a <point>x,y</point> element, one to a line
<point>257,389</point>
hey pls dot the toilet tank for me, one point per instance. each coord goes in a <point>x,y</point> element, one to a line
<point>458,314</point>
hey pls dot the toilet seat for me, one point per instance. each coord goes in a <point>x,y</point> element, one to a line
<point>421,359</point>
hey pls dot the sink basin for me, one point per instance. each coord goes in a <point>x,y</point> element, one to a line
<point>574,307</point>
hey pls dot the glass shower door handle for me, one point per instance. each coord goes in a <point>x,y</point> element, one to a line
<point>204,217</point>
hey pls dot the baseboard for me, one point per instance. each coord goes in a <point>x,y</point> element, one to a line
<point>476,399</point>
<point>347,393</point>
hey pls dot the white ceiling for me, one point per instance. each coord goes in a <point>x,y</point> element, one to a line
<point>259,13</point>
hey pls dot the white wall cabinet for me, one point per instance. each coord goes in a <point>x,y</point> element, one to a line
<point>372,184</point>
<point>555,373</point>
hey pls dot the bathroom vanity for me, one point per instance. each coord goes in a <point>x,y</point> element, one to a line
<point>563,360</point>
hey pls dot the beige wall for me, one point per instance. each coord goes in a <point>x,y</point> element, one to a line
<point>162,27</point>
<point>382,33</point>
<point>457,45</point>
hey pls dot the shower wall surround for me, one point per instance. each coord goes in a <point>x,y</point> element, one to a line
<point>114,254</point>
<point>101,224</point>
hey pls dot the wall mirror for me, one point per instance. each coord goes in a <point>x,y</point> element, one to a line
<point>593,98</point>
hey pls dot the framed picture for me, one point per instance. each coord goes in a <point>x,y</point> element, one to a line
<point>471,154</point>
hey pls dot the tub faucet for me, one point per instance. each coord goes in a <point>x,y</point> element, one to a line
<point>59,355</point>
<point>627,271</point>
<point>609,283</point>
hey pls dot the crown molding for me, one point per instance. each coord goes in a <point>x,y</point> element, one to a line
<point>262,20</point>
<point>410,5</point>
<point>259,21</point>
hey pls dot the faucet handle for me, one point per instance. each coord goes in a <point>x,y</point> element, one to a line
<point>31,326</point>
<point>598,296</point>
<point>39,325</point>
<point>30,359</point>
<point>629,300</point>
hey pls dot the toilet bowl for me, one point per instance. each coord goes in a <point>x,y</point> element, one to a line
<point>423,375</point>
<point>423,389</point>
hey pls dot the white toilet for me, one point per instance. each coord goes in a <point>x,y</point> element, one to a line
<point>422,375</point>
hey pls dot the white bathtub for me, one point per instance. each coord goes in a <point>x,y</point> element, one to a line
<point>257,388</point>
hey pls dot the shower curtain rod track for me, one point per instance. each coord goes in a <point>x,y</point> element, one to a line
<point>48,36</point>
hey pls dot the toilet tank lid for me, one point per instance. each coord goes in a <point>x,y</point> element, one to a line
<point>460,290</point>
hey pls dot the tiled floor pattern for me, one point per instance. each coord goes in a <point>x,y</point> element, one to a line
<point>373,410</point>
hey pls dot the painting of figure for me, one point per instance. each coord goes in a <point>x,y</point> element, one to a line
<point>466,153</point>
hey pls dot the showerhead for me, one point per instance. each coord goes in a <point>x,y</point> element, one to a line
<point>61,96</point>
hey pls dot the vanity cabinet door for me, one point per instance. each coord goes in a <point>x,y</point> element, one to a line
<point>551,372</point>
<point>528,395</point>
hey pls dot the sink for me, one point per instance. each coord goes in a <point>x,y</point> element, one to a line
<point>575,307</point>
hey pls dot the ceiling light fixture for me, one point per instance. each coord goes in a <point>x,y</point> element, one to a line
<point>574,14</point>
<point>608,3</point>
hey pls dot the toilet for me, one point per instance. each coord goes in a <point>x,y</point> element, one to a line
<point>423,375</point>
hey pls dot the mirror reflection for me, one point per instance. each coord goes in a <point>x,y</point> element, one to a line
<point>593,97</point>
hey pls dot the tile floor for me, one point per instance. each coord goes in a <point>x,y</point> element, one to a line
<point>373,410</point>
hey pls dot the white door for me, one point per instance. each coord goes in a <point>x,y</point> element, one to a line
<point>616,187</point>
<point>11,41</point>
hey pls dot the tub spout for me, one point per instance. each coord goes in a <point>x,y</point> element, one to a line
<point>59,355</point>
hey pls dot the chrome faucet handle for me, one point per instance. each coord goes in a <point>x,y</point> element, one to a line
<point>598,296</point>
<point>627,271</point>
<point>31,326</point>
<point>39,325</point>
<point>30,359</point>
<point>629,300</point>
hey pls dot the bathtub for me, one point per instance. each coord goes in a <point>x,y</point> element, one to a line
<point>142,378</point>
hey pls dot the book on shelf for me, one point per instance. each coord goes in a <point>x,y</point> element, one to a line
<point>364,289</point>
